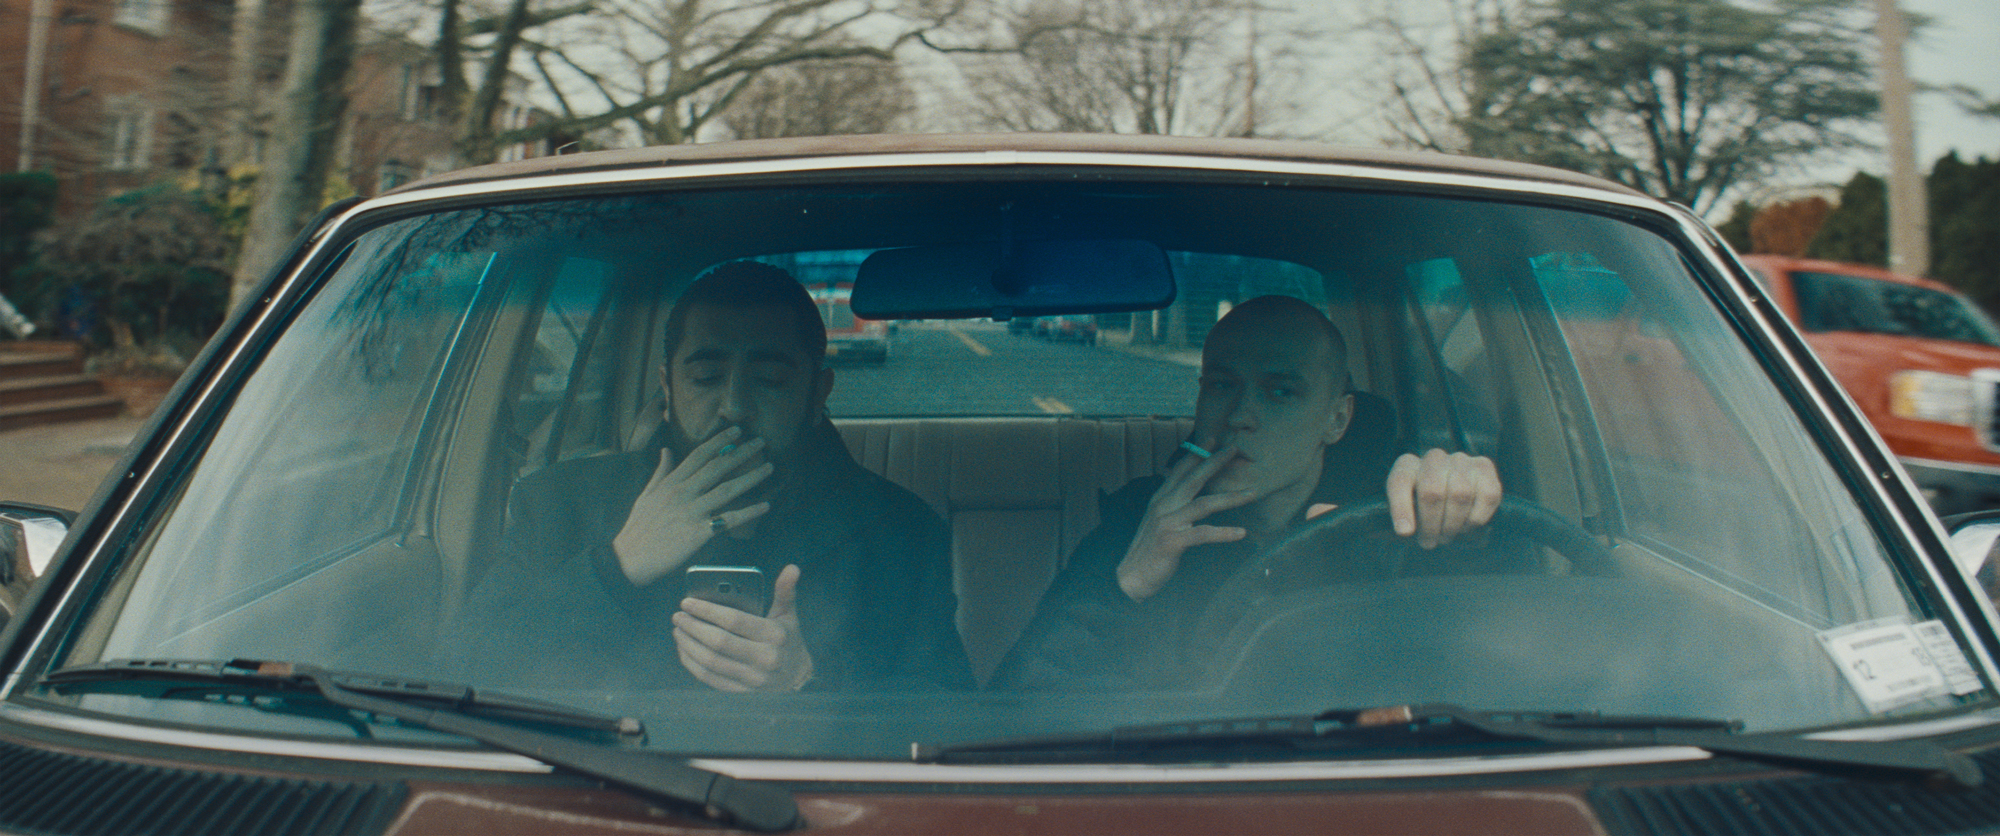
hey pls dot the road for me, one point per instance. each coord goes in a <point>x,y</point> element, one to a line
<point>977,368</point>
<point>60,465</point>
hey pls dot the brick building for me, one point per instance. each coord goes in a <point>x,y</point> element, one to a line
<point>133,92</point>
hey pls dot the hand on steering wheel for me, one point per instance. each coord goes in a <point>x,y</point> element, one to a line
<point>1270,571</point>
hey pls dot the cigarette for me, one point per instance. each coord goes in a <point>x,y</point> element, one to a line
<point>1195,449</point>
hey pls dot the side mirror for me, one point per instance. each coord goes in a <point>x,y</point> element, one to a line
<point>29,535</point>
<point>1973,538</point>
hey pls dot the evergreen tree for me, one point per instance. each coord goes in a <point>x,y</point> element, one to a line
<point>1682,99</point>
<point>1965,226</point>
<point>1736,230</point>
<point>1858,229</point>
<point>27,202</point>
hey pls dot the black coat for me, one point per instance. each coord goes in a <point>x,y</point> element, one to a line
<point>1088,635</point>
<point>875,601</point>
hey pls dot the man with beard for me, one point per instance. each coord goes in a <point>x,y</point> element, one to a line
<point>1128,609</point>
<point>746,471</point>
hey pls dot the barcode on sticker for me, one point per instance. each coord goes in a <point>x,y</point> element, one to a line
<point>1949,658</point>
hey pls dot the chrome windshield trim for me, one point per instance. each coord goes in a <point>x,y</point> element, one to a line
<point>285,747</point>
<point>995,159</point>
<point>1906,731</point>
<point>897,772</point>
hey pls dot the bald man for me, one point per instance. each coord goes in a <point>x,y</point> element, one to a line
<point>1273,401</point>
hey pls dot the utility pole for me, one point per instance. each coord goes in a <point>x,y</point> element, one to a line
<point>41,14</point>
<point>1909,202</point>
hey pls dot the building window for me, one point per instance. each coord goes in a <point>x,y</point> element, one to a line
<point>128,139</point>
<point>149,16</point>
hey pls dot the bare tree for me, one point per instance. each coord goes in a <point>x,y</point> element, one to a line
<point>493,41</point>
<point>311,103</point>
<point>822,98</point>
<point>1427,94</point>
<point>1125,66</point>
<point>663,71</point>
<point>1973,101</point>
<point>1683,99</point>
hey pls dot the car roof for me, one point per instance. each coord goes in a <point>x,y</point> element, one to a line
<point>877,144</point>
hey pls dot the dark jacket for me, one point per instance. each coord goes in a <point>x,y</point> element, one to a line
<point>1088,635</point>
<point>875,601</point>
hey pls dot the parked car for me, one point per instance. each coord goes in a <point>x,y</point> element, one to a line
<point>1712,602</point>
<point>1920,358</point>
<point>1068,328</point>
<point>849,339</point>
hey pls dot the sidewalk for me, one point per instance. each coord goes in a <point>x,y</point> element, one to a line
<point>61,464</point>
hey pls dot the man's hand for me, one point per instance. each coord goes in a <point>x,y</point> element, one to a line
<point>1442,495</point>
<point>676,513</point>
<point>731,650</point>
<point>1169,527</point>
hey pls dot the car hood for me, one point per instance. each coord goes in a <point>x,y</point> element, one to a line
<point>1552,811</point>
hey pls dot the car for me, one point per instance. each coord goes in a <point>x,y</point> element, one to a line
<point>849,339</point>
<point>1709,601</point>
<point>1068,328</point>
<point>1920,358</point>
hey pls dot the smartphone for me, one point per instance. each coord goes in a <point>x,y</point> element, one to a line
<point>740,587</point>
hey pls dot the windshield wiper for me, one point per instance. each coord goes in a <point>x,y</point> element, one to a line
<point>455,709</point>
<point>168,678</point>
<point>1445,724</point>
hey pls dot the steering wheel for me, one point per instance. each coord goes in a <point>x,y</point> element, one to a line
<point>1277,567</point>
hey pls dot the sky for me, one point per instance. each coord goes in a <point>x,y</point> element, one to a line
<point>1960,46</point>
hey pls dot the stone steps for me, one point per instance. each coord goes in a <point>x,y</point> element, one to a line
<point>43,383</point>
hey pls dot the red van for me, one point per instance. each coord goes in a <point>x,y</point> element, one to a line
<point>1920,358</point>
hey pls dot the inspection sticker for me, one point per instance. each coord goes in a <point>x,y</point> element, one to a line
<point>1950,659</point>
<point>1886,662</point>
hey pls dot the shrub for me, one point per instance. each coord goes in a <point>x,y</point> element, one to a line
<point>152,265</point>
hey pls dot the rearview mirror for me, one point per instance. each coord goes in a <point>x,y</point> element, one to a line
<point>1015,278</point>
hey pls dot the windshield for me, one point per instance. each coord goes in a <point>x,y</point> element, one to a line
<point>1837,302</point>
<point>597,451</point>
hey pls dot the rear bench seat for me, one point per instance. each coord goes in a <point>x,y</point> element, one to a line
<point>1018,493</point>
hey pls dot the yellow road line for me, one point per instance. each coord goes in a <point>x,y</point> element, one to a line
<point>1052,405</point>
<point>970,343</point>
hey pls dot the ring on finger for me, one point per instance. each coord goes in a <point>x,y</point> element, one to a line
<point>717,524</point>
